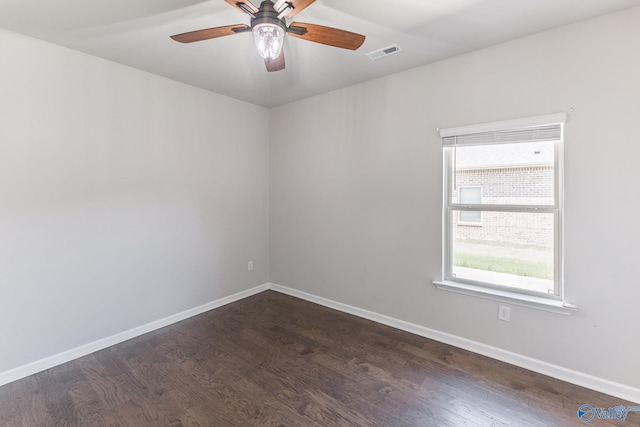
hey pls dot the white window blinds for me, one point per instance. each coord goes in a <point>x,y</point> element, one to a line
<point>532,129</point>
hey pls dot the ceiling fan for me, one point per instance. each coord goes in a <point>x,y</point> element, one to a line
<point>268,25</point>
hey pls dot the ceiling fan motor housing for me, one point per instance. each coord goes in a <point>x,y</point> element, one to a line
<point>268,15</point>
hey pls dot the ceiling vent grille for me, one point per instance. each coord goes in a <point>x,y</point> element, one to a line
<point>385,51</point>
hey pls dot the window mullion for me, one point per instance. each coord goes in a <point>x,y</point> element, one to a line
<point>502,208</point>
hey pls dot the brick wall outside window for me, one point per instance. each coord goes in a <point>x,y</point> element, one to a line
<point>518,185</point>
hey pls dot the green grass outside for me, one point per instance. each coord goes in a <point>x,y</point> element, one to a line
<point>519,260</point>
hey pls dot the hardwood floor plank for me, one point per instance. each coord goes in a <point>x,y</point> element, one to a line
<point>21,403</point>
<point>54,386</point>
<point>274,360</point>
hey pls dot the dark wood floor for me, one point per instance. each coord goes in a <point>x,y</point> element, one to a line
<point>276,360</point>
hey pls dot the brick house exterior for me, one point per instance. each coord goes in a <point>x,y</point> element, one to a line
<point>530,181</point>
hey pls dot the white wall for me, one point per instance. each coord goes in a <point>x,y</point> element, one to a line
<point>356,178</point>
<point>124,198</point>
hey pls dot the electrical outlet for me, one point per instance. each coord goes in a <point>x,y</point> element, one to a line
<point>504,313</point>
<point>250,265</point>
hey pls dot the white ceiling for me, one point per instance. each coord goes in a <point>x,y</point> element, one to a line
<point>136,33</point>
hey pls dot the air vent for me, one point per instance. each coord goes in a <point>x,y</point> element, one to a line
<point>385,51</point>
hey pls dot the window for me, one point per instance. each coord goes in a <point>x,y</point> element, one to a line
<point>472,196</point>
<point>506,177</point>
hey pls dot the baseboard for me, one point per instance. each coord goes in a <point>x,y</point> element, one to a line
<point>579,378</point>
<point>83,350</point>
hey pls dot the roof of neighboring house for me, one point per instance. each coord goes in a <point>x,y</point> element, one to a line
<point>505,155</point>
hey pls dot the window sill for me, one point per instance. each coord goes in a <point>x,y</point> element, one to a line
<point>539,303</point>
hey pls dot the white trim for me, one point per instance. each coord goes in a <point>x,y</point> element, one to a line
<point>85,349</point>
<point>488,290</point>
<point>546,119</point>
<point>582,379</point>
<point>517,298</point>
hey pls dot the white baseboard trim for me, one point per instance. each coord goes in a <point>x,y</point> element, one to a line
<point>579,378</point>
<point>83,350</point>
<point>621,391</point>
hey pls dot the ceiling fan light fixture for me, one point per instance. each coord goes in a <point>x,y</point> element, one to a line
<point>269,27</point>
<point>269,39</point>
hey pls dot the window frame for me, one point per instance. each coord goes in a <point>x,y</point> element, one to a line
<point>553,302</point>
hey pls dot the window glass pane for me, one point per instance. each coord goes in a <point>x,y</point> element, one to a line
<point>472,196</point>
<point>473,217</point>
<point>512,249</point>
<point>509,174</point>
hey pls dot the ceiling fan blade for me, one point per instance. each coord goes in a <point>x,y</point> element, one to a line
<point>275,64</point>
<point>210,33</point>
<point>298,6</point>
<point>243,6</point>
<point>326,35</point>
